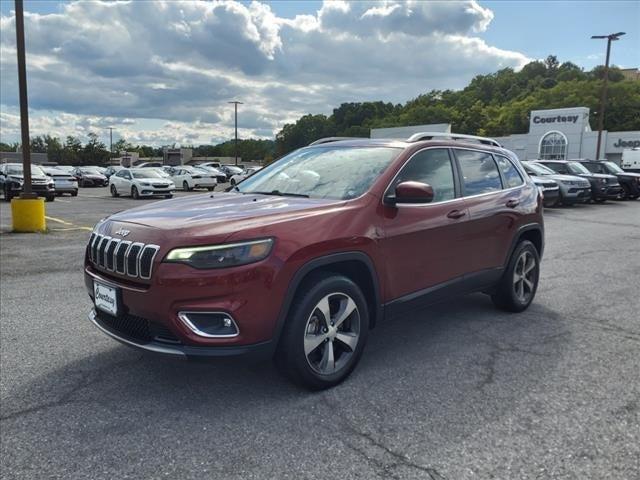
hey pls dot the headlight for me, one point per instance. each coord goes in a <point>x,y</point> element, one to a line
<point>603,181</point>
<point>145,184</point>
<point>221,256</point>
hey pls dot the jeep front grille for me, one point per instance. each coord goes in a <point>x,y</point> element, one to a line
<point>133,259</point>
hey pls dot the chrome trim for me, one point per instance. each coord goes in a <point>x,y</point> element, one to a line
<point>461,197</point>
<point>113,257</point>
<point>137,274</point>
<point>417,137</point>
<point>105,239</point>
<point>185,320</point>
<point>155,248</point>
<point>148,347</point>
<point>126,243</point>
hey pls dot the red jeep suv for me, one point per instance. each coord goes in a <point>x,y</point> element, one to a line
<point>303,258</point>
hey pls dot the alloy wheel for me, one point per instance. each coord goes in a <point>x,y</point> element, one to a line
<point>524,277</point>
<point>332,333</point>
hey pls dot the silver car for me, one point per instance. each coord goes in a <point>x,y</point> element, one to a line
<point>64,182</point>
<point>573,189</point>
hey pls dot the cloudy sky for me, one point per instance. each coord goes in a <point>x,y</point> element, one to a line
<point>163,72</point>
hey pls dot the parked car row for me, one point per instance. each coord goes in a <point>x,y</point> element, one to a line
<point>581,181</point>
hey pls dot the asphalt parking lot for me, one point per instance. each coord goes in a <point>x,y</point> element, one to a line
<point>457,391</point>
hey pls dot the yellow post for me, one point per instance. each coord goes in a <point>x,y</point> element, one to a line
<point>27,215</point>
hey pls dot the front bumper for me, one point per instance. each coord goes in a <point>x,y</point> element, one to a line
<point>178,350</point>
<point>150,191</point>
<point>610,192</point>
<point>551,196</point>
<point>576,194</point>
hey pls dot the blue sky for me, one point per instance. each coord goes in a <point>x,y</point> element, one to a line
<point>164,74</point>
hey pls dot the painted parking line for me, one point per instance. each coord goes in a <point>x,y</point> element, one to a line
<point>69,226</point>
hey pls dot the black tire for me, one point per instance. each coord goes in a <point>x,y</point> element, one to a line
<point>233,182</point>
<point>114,191</point>
<point>626,192</point>
<point>50,198</point>
<point>134,193</point>
<point>7,194</point>
<point>291,358</point>
<point>211,188</point>
<point>74,193</point>
<point>168,196</point>
<point>600,200</point>
<point>506,296</point>
<point>185,186</point>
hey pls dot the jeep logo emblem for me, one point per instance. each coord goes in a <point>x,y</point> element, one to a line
<point>123,232</point>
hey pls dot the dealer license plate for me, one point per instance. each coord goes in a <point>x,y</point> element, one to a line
<point>105,298</point>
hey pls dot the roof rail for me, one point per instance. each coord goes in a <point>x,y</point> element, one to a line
<point>320,141</point>
<point>416,137</point>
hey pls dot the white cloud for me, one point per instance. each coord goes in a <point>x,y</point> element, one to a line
<point>98,63</point>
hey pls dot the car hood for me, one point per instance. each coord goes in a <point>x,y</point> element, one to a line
<point>628,175</point>
<point>33,177</point>
<point>564,178</point>
<point>222,214</point>
<point>545,182</point>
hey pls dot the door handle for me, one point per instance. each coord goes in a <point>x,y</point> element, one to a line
<point>456,214</point>
<point>513,203</point>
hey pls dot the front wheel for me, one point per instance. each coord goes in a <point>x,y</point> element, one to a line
<point>50,198</point>
<point>211,189</point>
<point>74,193</point>
<point>8,195</point>
<point>233,182</point>
<point>114,192</point>
<point>519,282</point>
<point>325,332</point>
<point>134,193</point>
<point>185,186</point>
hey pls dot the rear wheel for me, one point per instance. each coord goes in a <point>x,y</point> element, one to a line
<point>50,198</point>
<point>114,192</point>
<point>325,332</point>
<point>134,193</point>
<point>519,282</point>
<point>8,195</point>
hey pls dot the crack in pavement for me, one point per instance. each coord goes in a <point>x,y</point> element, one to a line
<point>67,398</point>
<point>399,459</point>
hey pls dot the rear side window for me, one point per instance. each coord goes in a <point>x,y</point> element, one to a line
<point>432,166</point>
<point>510,174</point>
<point>557,167</point>
<point>594,167</point>
<point>479,172</point>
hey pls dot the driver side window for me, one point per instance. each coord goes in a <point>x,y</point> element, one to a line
<point>432,166</point>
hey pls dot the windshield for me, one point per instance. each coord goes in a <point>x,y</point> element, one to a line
<point>91,170</point>
<point>36,171</point>
<point>146,173</point>
<point>578,168</point>
<point>322,172</point>
<point>536,169</point>
<point>612,167</point>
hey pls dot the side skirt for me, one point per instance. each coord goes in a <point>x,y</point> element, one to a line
<point>481,281</point>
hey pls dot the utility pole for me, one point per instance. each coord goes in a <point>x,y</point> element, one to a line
<point>235,105</point>
<point>24,105</point>
<point>603,97</point>
<point>110,144</point>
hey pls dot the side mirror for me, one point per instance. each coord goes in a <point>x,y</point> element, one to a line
<point>413,192</point>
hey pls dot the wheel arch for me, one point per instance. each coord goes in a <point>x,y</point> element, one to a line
<point>355,265</point>
<point>534,232</point>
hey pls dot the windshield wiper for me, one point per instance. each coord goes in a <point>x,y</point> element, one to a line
<point>281,194</point>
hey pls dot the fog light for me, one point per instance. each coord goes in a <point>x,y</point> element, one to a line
<point>210,324</point>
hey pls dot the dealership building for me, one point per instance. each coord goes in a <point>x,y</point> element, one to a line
<point>562,133</point>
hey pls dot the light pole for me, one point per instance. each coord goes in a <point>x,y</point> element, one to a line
<point>235,105</point>
<point>24,108</point>
<point>603,97</point>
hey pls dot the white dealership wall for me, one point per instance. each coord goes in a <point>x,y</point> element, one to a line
<point>573,123</point>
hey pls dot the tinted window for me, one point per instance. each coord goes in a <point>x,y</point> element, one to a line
<point>434,167</point>
<point>557,167</point>
<point>594,167</point>
<point>511,176</point>
<point>479,171</point>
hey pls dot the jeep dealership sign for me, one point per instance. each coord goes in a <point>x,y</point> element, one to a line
<point>627,143</point>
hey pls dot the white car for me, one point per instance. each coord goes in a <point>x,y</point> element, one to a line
<point>238,177</point>
<point>189,177</point>
<point>140,182</point>
<point>221,177</point>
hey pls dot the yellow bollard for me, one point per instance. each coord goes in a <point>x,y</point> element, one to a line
<point>27,215</point>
